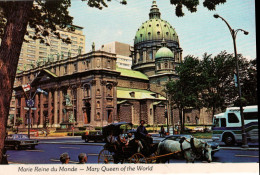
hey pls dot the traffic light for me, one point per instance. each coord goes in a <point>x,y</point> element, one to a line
<point>166,113</point>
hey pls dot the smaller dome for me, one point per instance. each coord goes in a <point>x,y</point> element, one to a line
<point>164,52</point>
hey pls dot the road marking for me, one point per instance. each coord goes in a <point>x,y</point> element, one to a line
<point>70,147</point>
<point>14,162</point>
<point>246,156</point>
<point>93,154</point>
<point>35,150</point>
<point>56,160</point>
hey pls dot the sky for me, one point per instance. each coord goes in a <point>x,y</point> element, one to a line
<point>198,32</point>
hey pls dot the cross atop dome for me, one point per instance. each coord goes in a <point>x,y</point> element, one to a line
<point>154,12</point>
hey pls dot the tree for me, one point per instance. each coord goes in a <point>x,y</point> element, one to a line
<point>219,89</point>
<point>218,75</point>
<point>44,17</point>
<point>248,79</point>
<point>18,122</point>
<point>210,83</point>
<point>191,5</point>
<point>184,92</point>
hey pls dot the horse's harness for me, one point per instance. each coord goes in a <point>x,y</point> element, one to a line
<point>192,147</point>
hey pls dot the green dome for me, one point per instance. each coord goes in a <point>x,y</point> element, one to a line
<point>155,28</point>
<point>164,52</point>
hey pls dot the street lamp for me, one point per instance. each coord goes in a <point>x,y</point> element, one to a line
<point>234,34</point>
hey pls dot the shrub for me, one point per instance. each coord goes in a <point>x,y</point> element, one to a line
<point>98,128</point>
<point>76,133</point>
<point>82,128</point>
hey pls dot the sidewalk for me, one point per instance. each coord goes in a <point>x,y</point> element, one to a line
<point>54,137</point>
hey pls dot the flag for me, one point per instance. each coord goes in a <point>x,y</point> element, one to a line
<point>41,91</point>
<point>26,87</point>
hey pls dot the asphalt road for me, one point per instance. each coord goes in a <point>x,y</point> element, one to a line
<point>49,150</point>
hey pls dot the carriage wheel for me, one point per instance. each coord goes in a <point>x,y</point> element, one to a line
<point>138,158</point>
<point>151,158</point>
<point>105,156</point>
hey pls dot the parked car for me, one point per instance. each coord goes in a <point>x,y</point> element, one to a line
<point>177,137</point>
<point>18,141</point>
<point>198,129</point>
<point>94,136</point>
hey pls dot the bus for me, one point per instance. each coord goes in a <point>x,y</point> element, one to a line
<point>227,126</point>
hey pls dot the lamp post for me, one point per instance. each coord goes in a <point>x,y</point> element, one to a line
<point>234,34</point>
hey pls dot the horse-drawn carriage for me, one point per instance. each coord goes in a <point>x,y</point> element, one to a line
<point>121,152</point>
<point>150,153</point>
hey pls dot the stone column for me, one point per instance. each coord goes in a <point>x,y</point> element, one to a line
<point>144,55</point>
<point>41,110</point>
<point>60,106</point>
<point>137,56</point>
<point>50,107</point>
<point>55,99</point>
<point>114,117</point>
<point>23,111</point>
<point>154,52</point>
<point>79,106</point>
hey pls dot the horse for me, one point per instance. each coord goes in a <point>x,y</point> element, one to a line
<point>191,149</point>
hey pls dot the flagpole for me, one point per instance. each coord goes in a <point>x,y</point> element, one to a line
<point>29,117</point>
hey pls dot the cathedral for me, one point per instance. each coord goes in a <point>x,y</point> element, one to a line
<point>91,90</point>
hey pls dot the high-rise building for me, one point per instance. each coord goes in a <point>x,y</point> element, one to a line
<point>35,51</point>
<point>122,51</point>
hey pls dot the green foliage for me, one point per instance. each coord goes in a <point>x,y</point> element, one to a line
<point>248,79</point>
<point>191,5</point>
<point>210,83</point>
<point>82,128</point>
<point>184,92</point>
<point>76,133</point>
<point>18,121</point>
<point>218,74</point>
<point>98,128</point>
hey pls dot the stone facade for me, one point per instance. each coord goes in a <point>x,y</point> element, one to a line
<point>90,83</point>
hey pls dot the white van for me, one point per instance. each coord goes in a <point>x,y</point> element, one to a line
<point>227,126</point>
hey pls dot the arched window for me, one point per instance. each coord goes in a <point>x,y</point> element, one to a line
<point>109,90</point>
<point>87,90</point>
<point>166,65</point>
<point>159,66</point>
<point>151,55</point>
<point>98,104</point>
<point>141,56</point>
<point>98,115</point>
<point>188,119</point>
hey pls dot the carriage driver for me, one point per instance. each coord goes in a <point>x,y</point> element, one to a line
<point>143,134</point>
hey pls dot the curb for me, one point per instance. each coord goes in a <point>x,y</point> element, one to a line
<point>64,137</point>
<point>73,143</point>
<point>239,148</point>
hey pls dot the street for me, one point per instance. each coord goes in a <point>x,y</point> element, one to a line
<point>48,152</point>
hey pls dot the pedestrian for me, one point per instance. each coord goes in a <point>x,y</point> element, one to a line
<point>4,157</point>
<point>82,158</point>
<point>162,132</point>
<point>64,158</point>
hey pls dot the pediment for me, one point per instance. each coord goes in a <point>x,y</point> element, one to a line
<point>43,76</point>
